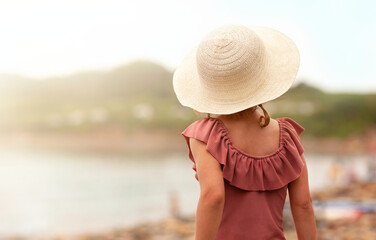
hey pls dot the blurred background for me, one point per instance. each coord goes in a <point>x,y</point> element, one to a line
<point>90,128</point>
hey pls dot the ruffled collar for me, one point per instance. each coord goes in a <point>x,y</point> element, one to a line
<point>226,134</point>
<point>245,171</point>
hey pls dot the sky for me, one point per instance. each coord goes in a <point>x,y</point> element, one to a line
<point>45,38</point>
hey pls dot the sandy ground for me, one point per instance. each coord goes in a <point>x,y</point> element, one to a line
<point>361,226</point>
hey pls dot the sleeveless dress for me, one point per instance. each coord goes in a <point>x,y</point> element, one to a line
<point>255,186</point>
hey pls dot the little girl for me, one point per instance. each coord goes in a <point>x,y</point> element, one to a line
<point>244,161</point>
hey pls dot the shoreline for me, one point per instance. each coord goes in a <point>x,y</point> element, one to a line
<point>116,141</point>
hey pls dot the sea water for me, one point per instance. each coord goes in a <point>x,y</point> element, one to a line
<point>49,194</point>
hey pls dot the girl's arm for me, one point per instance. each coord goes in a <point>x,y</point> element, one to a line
<point>212,192</point>
<point>301,206</point>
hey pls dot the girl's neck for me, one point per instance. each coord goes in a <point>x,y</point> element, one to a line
<point>249,117</point>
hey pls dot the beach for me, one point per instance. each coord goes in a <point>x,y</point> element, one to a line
<point>334,221</point>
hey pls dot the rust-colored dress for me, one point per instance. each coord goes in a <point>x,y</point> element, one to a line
<point>255,186</point>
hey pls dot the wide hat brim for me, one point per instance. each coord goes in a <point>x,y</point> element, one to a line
<point>279,74</point>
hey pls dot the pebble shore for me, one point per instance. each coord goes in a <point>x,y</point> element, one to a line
<point>360,227</point>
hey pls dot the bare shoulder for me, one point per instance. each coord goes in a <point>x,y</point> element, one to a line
<point>196,144</point>
<point>198,147</point>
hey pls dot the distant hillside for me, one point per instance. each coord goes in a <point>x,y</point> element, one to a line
<point>325,114</point>
<point>145,78</point>
<point>140,95</point>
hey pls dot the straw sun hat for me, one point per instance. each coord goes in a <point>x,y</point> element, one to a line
<point>236,67</point>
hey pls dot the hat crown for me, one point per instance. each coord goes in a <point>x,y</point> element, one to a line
<point>236,67</point>
<point>222,40</point>
<point>230,58</point>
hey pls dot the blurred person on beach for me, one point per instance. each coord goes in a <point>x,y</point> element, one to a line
<point>244,160</point>
<point>334,172</point>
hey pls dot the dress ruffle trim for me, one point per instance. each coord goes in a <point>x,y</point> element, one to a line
<point>244,171</point>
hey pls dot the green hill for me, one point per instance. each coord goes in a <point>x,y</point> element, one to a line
<point>140,95</point>
<point>329,114</point>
